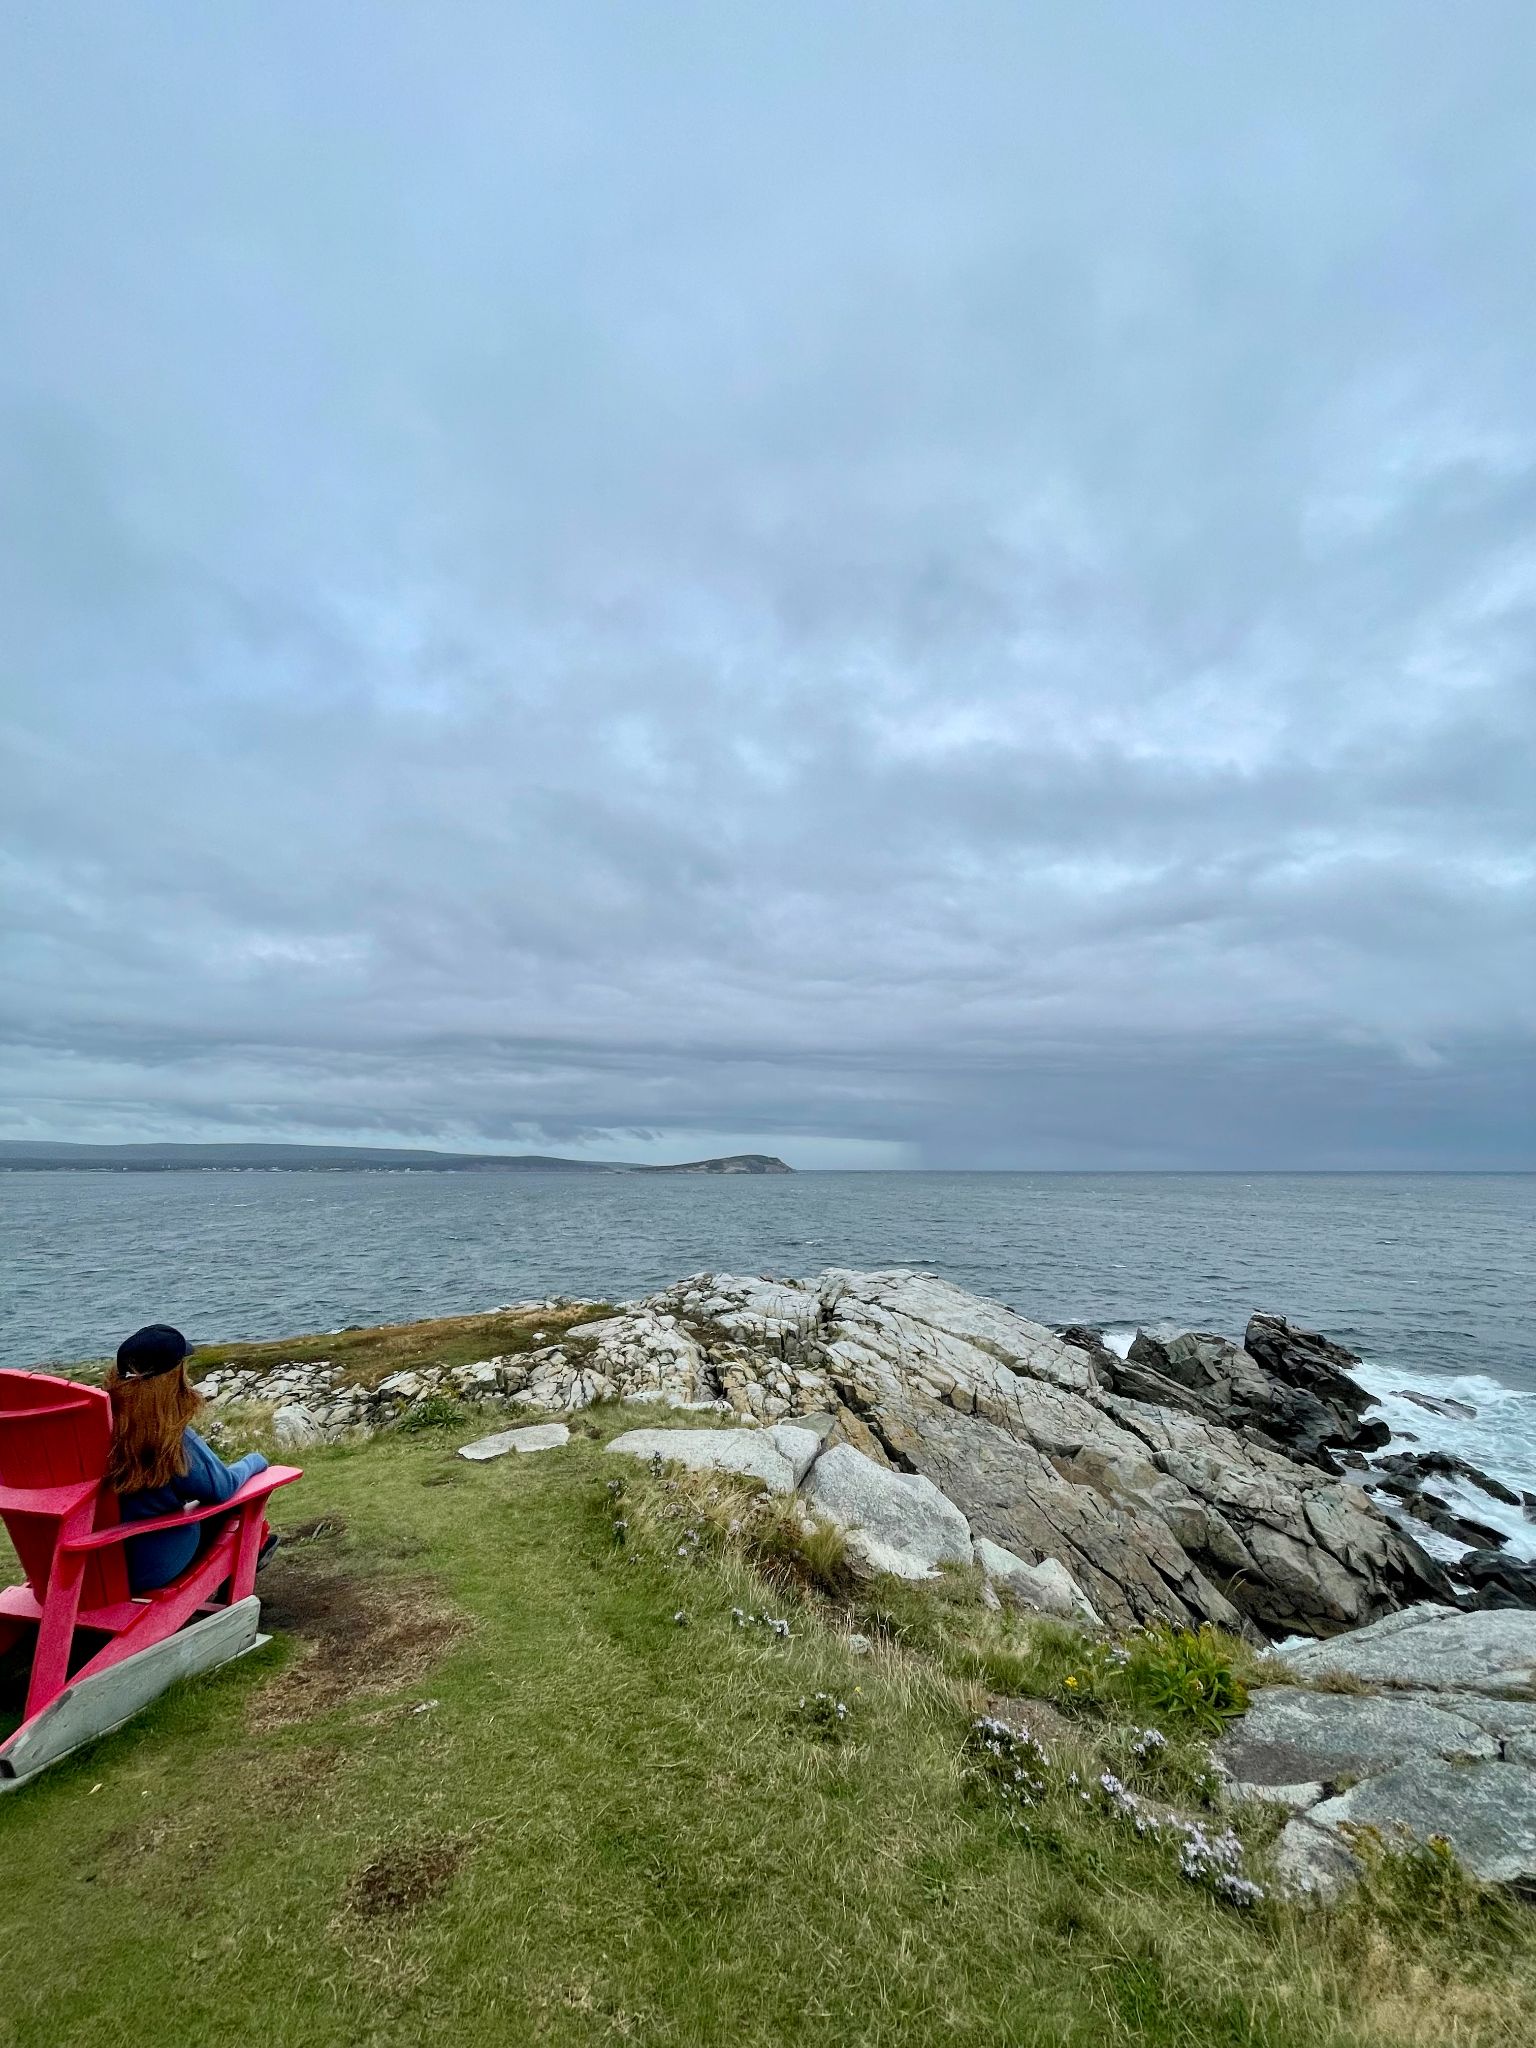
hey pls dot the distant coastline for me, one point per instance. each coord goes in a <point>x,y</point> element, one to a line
<point>19,1155</point>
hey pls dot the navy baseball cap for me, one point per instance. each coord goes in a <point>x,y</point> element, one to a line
<point>155,1349</point>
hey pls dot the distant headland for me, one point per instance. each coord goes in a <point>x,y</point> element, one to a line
<point>24,1155</point>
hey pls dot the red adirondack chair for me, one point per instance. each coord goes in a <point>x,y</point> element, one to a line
<point>62,1518</point>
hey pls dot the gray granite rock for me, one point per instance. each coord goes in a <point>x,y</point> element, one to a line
<point>1047,1587</point>
<point>1297,1797</point>
<point>1312,1861</point>
<point>1486,1811</point>
<point>799,1447</point>
<point>1290,1736</point>
<point>749,1451</point>
<point>897,1522</point>
<point>532,1436</point>
<point>1429,1648</point>
<point>296,1427</point>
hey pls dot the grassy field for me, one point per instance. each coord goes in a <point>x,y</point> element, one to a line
<point>486,1788</point>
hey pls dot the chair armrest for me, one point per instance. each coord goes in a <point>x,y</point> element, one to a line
<point>255,1489</point>
<point>47,1500</point>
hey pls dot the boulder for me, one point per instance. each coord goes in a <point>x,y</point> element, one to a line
<point>1291,1737</point>
<point>1486,1811</point>
<point>1499,1581</point>
<point>1312,1861</point>
<point>533,1436</point>
<point>897,1522</point>
<point>1047,1587</point>
<point>749,1451</point>
<point>1432,1649</point>
<point>296,1427</point>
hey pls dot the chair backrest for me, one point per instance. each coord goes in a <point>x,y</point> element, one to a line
<point>56,1432</point>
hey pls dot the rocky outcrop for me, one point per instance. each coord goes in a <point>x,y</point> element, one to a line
<point>1432,1649</point>
<point>1153,1510</point>
<point>1313,1365</point>
<point>1283,1386</point>
<point>1151,1507</point>
<point>1447,1747</point>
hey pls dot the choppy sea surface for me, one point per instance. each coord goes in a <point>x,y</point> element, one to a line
<point>1430,1277</point>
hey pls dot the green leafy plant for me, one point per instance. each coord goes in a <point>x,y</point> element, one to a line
<point>1186,1677</point>
<point>435,1412</point>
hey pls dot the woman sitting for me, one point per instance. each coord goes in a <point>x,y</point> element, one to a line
<point>159,1463</point>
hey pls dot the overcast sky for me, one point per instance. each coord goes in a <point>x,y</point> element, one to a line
<point>929,585</point>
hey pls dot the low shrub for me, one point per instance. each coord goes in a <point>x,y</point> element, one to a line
<point>437,1411</point>
<point>1187,1677</point>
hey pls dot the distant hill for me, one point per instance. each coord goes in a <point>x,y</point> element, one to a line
<point>24,1154</point>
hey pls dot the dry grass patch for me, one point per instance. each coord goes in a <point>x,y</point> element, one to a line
<point>366,1356</point>
<point>403,1878</point>
<point>358,1636</point>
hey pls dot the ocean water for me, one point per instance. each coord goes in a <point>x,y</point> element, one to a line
<point>1429,1277</point>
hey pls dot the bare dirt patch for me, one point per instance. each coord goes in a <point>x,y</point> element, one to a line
<point>403,1878</point>
<point>358,1636</point>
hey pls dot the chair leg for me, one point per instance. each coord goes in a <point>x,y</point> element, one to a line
<point>253,1533</point>
<point>55,1634</point>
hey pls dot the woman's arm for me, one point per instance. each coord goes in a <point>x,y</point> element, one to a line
<point>208,1478</point>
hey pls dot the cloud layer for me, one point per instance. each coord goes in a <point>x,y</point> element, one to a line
<point>943,586</point>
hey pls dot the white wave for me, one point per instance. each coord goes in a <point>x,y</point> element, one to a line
<point>1498,1436</point>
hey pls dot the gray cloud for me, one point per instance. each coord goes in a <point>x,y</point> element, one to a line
<point>936,586</point>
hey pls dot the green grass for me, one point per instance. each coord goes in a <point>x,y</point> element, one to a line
<point>485,1789</point>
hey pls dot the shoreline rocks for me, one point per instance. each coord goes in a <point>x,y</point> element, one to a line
<point>1197,1481</point>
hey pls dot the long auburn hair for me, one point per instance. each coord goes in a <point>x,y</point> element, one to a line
<point>148,1417</point>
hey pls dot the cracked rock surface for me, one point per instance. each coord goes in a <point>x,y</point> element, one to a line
<point>1154,1510</point>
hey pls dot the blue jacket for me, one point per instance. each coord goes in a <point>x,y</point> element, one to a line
<point>156,1560</point>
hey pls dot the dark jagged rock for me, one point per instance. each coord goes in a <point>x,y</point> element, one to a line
<point>1420,1465</point>
<point>1438,1514</point>
<point>1206,1374</point>
<point>1497,1580</point>
<point>1435,1404</point>
<point>1315,1365</point>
